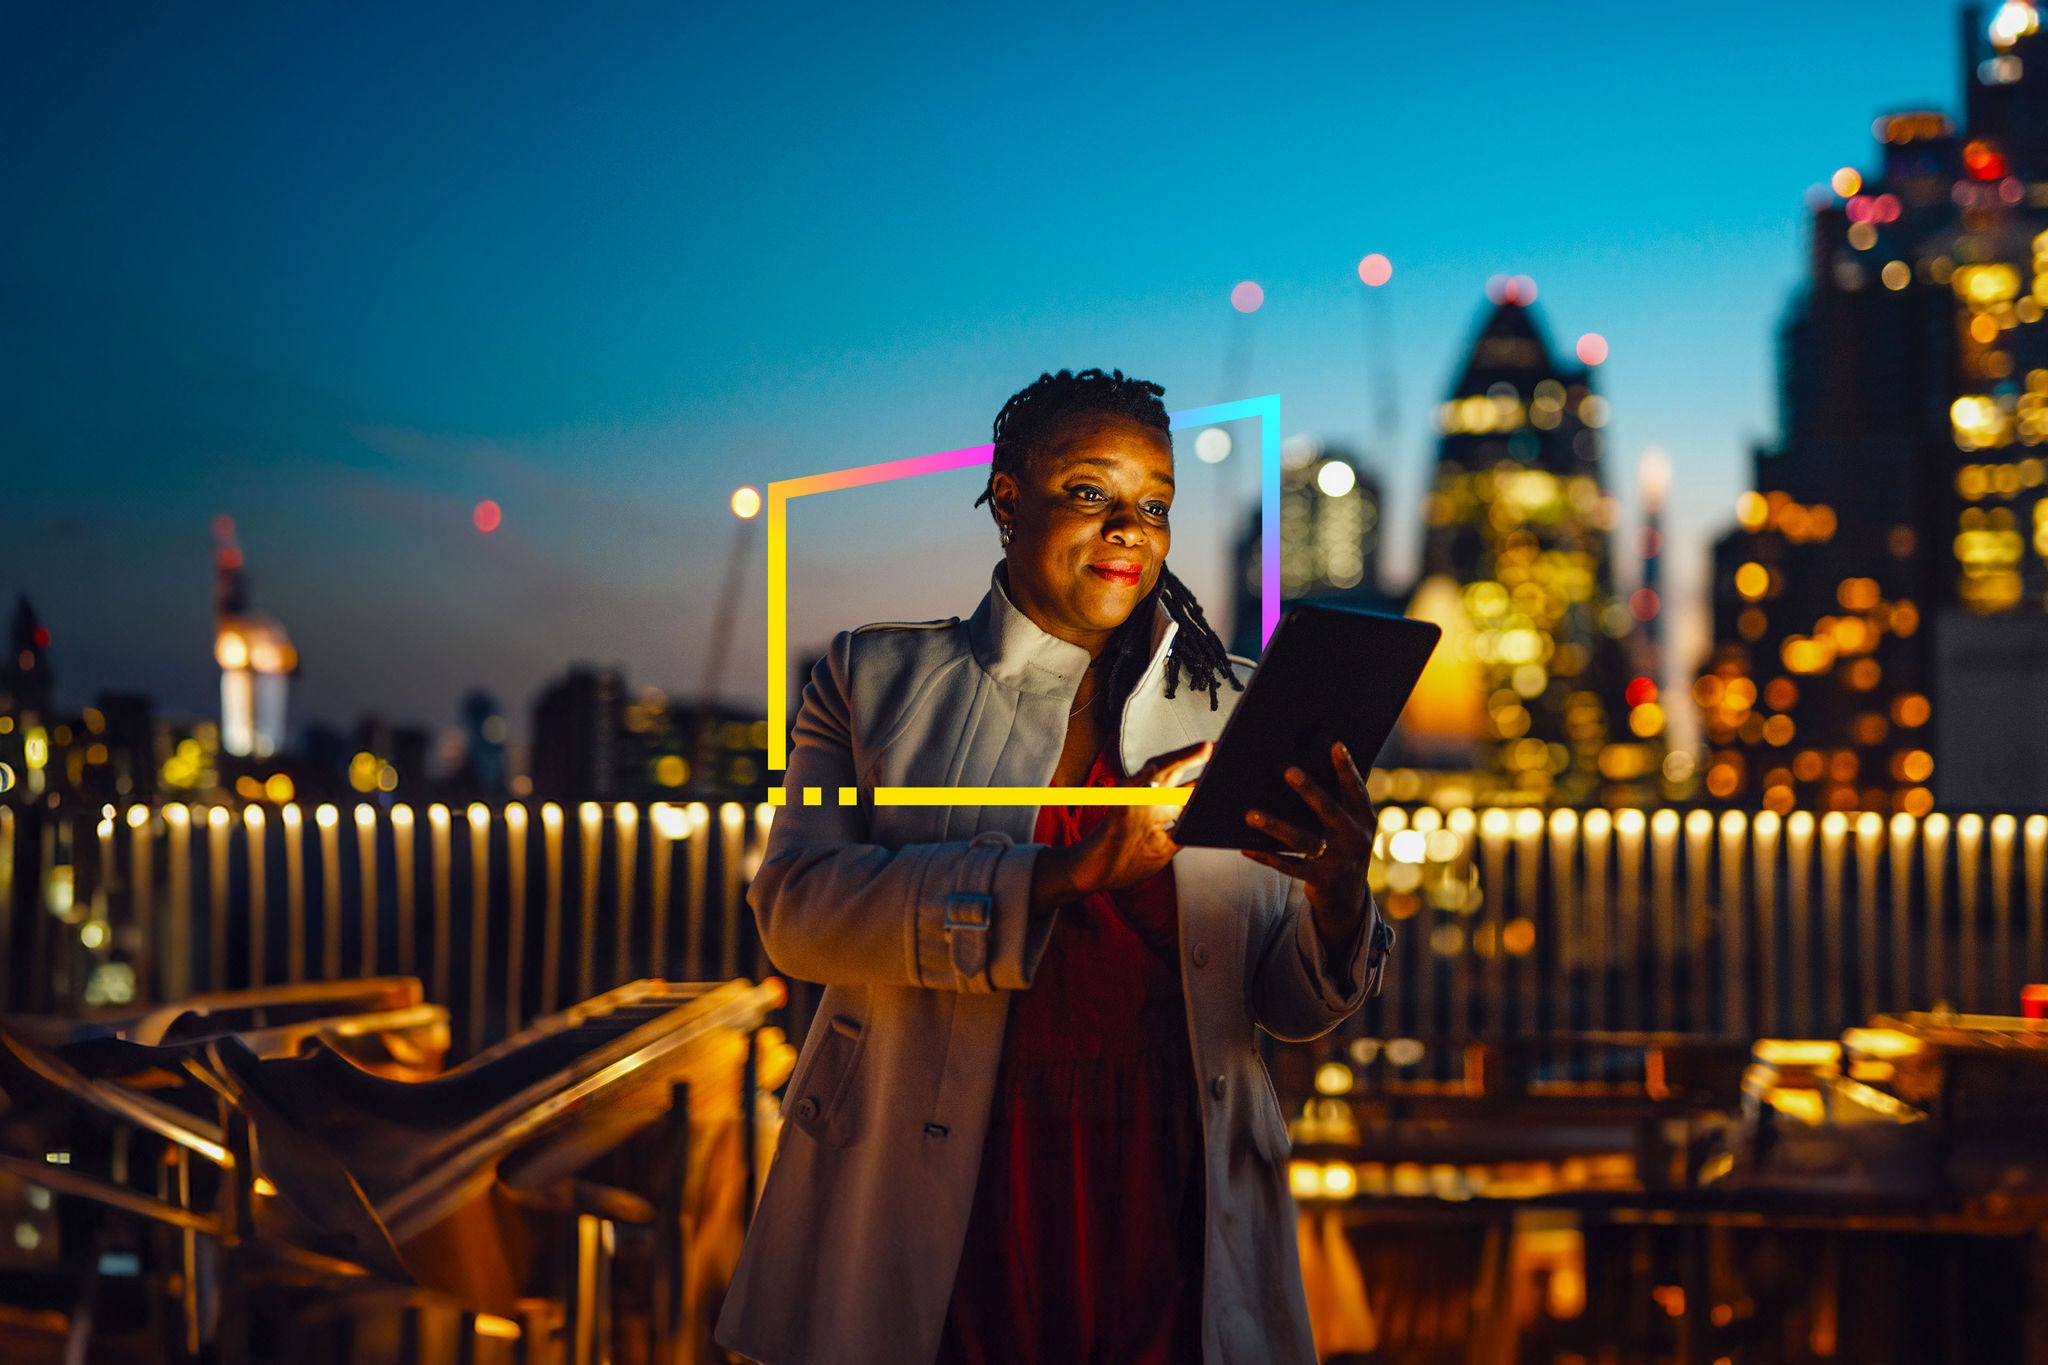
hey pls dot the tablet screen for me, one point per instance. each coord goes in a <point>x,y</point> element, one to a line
<point>1329,674</point>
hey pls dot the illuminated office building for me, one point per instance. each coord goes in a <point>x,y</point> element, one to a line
<point>578,730</point>
<point>1881,610</point>
<point>1329,539</point>
<point>256,659</point>
<point>388,758</point>
<point>25,691</point>
<point>479,767</point>
<point>1531,689</point>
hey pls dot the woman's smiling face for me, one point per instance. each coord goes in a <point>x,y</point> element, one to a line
<point>1089,520</point>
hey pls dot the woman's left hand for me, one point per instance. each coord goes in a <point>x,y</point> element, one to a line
<point>1331,862</point>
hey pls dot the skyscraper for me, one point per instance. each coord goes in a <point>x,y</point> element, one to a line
<point>481,770</point>
<point>255,655</point>
<point>1881,611</point>
<point>1329,538</point>
<point>1531,686</point>
<point>25,696</point>
<point>577,728</point>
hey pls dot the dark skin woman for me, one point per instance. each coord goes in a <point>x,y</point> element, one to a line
<point>1031,1122</point>
<point>1087,528</point>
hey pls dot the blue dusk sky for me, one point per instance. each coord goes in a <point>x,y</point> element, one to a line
<point>341,271</point>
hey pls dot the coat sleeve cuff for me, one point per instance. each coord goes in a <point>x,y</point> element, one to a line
<point>1339,978</point>
<point>974,929</point>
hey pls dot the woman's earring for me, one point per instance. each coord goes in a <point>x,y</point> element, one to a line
<point>1006,535</point>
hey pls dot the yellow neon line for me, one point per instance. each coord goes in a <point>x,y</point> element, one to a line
<point>1031,796</point>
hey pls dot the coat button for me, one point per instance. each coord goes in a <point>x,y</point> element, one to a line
<point>1216,1086</point>
<point>935,1131</point>
<point>807,1107</point>
<point>1200,954</point>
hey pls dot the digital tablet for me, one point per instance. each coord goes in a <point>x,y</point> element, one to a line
<point>1329,674</point>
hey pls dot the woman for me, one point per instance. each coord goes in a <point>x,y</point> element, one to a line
<point>1029,1122</point>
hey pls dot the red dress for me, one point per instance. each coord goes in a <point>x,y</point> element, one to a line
<point>1085,1243</point>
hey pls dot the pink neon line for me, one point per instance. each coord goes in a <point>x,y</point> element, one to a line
<point>884,472</point>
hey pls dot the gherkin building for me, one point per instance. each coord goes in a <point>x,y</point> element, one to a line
<point>1535,684</point>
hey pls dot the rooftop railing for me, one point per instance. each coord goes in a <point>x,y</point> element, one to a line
<point>1510,922</point>
<point>505,911</point>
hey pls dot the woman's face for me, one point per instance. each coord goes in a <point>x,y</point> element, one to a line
<point>1088,515</point>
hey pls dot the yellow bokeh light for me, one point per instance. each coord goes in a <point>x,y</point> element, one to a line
<point>1333,1078</point>
<point>1518,936</point>
<point>1851,634</point>
<point>1846,181</point>
<point>1802,654</point>
<point>1752,580</point>
<point>1985,284</point>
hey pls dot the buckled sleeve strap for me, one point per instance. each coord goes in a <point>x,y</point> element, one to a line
<point>974,930</point>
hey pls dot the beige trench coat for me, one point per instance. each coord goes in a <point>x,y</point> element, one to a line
<point>917,920</point>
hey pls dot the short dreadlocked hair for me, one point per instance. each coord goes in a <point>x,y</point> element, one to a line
<point>1038,415</point>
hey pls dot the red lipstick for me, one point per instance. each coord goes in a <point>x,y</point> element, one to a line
<point>1123,577</point>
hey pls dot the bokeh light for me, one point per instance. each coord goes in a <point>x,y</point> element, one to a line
<point>1846,181</point>
<point>1213,445</point>
<point>2015,20</point>
<point>1336,478</point>
<point>1511,289</point>
<point>746,502</point>
<point>1592,349</point>
<point>1375,270</point>
<point>1247,297</point>
<point>488,516</point>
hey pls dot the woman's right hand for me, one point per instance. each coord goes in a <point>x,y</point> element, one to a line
<point>1130,844</point>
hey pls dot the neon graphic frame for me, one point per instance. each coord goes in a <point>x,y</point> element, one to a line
<point>1266,409</point>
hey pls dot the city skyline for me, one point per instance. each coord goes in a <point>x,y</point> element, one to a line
<point>315,344</point>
